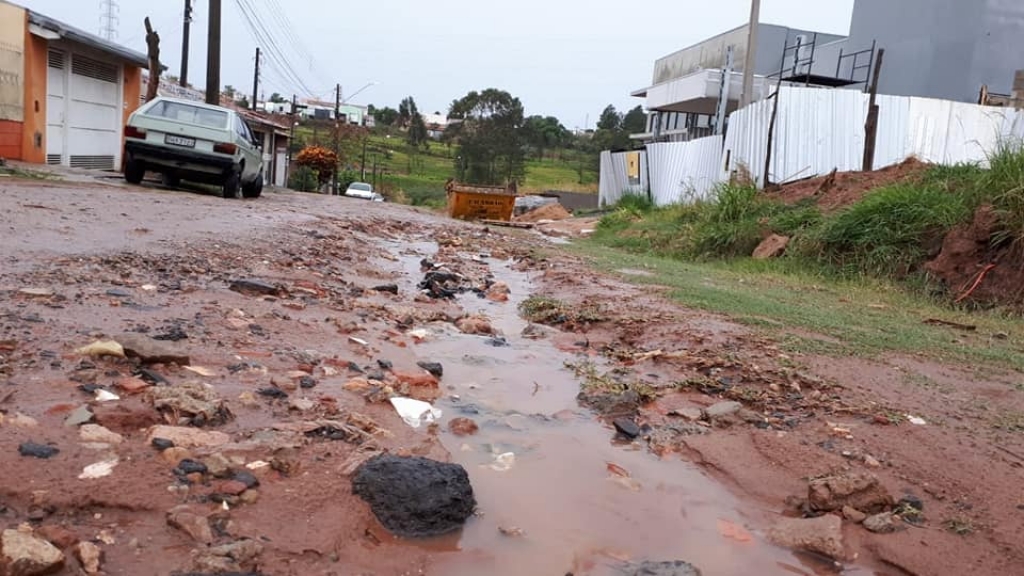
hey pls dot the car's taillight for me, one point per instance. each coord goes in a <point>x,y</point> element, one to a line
<point>225,148</point>
<point>133,132</point>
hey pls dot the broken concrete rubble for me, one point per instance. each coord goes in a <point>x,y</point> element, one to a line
<point>186,437</point>
<point>191,403</point>
<point>24,554</point>
<point>822,535</point>
<point>149,351</point>
<point>858,490</point>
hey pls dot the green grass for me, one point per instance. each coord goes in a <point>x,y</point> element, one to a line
<point>421,174</point>
<point>781,299</point>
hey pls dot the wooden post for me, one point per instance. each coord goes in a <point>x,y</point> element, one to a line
<point>871,126</point>
<point>771,135</point>
<point>1018,90</point>
<point>153,52</point>
<point>213,54</point>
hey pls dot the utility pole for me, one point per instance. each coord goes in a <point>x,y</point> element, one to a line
<point>213,55</point>
<point>362,163</point>
<point>751,57</point>
<point>185,36</point>
<point>871,126</point>
<point>256,79</point>
<point>337,136</point>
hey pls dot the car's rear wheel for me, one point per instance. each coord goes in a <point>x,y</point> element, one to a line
<point>255,189</point>
<point>233,184</point>
<point>134,171</point>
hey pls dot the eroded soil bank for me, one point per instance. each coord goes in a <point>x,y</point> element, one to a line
<point>292,372</point>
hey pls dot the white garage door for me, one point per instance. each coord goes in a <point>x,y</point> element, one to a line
<point>56,107</point>
<point>83,112</point>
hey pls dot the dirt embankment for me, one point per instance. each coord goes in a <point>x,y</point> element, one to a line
<point>841,189</point>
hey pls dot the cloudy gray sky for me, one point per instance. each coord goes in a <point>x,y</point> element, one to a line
<point>562,58</point>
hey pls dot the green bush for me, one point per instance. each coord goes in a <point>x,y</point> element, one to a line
<point>1002,185</point>
<point>303,179</point>
<point>885,232</point>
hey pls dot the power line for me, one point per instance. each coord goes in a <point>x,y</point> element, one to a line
<point>110,19</point>
<point>295,39</point>
<point>275,57</point>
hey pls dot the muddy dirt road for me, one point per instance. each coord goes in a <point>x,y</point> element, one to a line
<point>266,338</point>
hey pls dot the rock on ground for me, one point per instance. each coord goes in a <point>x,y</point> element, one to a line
<point>884,523</point>
<point>860,491</point>
<point>823,535</point>
<point>415,497</point>
<point>477,325</point>
<point>90,555</point>
<point>196,526</point>
<point>23,554</point>
<point>185,437</point>
<point>150,351</point>
<point>676,568</point>
<point>722,409</point>
<point>463,427</point>
<point>772,247</point>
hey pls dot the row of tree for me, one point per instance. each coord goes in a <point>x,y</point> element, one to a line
<point>494,137</point>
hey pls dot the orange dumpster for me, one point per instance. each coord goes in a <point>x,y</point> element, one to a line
<point>474,202</point>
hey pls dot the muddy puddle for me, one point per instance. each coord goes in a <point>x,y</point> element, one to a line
<point>557,492</point>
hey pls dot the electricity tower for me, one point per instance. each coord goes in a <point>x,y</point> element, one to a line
<point>110,19</point>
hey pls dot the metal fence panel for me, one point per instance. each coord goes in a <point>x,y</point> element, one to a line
<point>614,179</point>
<point>684,172</point>
<point>820,130</point>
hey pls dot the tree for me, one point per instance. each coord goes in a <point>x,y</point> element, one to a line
<point>610,119</point>
<point>635,121</point>
<point>243,102</point>
<point>230,91</point>
<point>544,133</point>
<point>385,116</point>
<point>406,110</point>
<point>489,131</point>
<point>409,117</point>
<point>417,130</point>
<point>277,98</point>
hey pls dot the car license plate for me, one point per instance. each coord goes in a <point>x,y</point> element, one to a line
<point>180,141</point>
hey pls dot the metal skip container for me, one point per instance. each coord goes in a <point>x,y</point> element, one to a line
<point>474,202</point>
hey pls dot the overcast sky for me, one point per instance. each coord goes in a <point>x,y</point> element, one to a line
<point>563,58</point>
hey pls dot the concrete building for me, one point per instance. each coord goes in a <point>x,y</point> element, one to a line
<point>65,94</point>
<point>945,49</point>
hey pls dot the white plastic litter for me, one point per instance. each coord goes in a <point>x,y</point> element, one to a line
<point>504,462</point>
<point>415,412</point>
<point>105,396</point>
<point>98,470</point>
<point>258,464</point>
<point>359,341</point>
<point>916,420</point>
<point>420,334</point>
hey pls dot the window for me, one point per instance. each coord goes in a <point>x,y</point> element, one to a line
<point>360,187</point>
<point>188,114</point>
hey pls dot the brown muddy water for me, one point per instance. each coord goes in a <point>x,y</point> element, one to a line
<point>567,510</point>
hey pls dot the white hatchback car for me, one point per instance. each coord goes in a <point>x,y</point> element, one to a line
<point>364,191</point>
<point>186,140</point>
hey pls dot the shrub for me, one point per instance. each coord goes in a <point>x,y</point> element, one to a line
<point>884,233</point>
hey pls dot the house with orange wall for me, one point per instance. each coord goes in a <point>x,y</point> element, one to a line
<point>65,94</point>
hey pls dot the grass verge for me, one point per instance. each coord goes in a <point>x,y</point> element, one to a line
<point>822,314</point>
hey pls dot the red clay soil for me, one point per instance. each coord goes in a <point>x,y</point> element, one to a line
<point>842,189</point>
<point>805,416</point>
<point>972,270</point>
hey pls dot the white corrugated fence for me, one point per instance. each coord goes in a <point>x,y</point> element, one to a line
<point>817,130</point>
